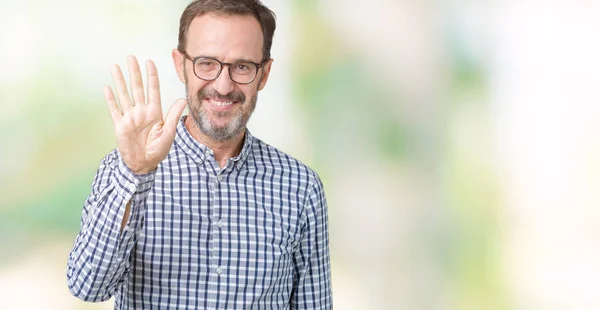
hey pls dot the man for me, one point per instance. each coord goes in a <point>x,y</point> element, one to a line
<point>194,212</point>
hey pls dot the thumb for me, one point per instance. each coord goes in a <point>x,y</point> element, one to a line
<point>174,115</point>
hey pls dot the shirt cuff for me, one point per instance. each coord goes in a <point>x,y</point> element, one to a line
<point>130,185</point>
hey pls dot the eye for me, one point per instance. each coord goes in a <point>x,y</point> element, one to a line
<point>243,68</point>
<point>206,64</point>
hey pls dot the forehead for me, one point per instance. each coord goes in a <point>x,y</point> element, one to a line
<point>226,37</point>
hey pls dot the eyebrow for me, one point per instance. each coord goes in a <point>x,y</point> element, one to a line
<point>234,61</point>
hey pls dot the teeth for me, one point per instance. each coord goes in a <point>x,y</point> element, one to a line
<point>219,103</point>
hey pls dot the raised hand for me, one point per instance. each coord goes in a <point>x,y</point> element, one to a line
<point>143,137</point>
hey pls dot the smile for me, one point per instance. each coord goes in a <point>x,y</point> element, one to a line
<point>220,103</point>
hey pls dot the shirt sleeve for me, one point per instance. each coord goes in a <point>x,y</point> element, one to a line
<point>312,283</point>
<point>99,260</point>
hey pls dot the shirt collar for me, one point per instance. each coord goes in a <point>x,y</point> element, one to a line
<point>199,152</point>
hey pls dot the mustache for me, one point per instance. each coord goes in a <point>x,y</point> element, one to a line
<point>211,93</point>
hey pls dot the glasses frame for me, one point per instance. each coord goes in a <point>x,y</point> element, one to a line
<point>222,64</point>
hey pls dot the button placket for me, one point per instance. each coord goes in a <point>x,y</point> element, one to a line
<point>219,223</point>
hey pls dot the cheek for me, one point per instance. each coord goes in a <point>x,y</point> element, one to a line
<point>194,87</point>
<point>249,90</point>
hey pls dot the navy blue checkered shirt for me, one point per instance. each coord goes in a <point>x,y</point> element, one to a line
<point>252,235</point>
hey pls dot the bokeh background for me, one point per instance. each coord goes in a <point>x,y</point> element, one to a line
<point>458,141</point>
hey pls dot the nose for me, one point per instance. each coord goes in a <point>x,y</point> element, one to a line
<point>223,84</point>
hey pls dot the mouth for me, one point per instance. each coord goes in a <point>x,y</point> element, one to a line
<point>220,104</point>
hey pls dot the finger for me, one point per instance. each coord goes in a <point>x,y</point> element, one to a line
<point>135,80</point>
<point>113,108</point>
<point>173,115</point>
<point>153,84</point>
<point>121,88</point>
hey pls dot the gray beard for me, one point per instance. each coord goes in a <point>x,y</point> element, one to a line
<point>235,126</point>
<point>232,129</point>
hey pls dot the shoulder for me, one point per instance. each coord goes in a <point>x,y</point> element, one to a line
<point>269,158</point>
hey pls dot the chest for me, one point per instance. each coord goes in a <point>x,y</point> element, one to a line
<point>201,219</point>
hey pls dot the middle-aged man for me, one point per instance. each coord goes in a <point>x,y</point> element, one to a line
<point>194,212</point>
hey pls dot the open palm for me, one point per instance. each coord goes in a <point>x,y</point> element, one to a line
<point>143,136</point>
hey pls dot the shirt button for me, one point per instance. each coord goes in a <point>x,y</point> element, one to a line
<point>220,223</point>
<point>219,177</point>
<point>219,270</point>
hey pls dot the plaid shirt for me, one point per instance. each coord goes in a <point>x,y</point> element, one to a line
<point>252,235</point>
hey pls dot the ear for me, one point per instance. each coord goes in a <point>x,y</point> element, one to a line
<point>266,69</point>
<point>178,61</point>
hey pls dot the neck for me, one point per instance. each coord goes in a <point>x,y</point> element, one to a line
<point>223,150</point>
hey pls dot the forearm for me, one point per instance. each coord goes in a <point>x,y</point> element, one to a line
<point>109,228</point>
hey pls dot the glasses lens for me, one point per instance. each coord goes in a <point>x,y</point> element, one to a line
<point>243,72</point>
<point>240,72</point>
<point>207,68</point>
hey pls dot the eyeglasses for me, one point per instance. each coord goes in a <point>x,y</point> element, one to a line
<point>209,69</point>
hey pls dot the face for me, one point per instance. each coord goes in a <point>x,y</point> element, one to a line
<point>221,108</point>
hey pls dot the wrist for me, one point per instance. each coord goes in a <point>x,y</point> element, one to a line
<point>142,172</point>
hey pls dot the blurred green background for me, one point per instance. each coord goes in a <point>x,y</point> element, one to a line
<point>458,141</point>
